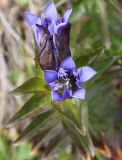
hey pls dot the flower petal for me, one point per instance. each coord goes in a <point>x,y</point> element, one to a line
<point>86,73</point>
<point>31,18</point>
<point>55,86</point>
<point>66,93</point>
<point>66,15</point>
<point>52,28</point>
<point>68,64</point>
<point>61,73</point>
<point>56,96</point>
<point>36,34</point>
<point>50,11</point>
<point>79,93</point>
<point>50,76</point>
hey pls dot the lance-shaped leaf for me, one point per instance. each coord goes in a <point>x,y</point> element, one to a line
<point>31,86</point>
<point>67,114</point>
<point>77,140</point>
<point>35,102</point>
<point>76,112</point>
<point>75,129</point>
<point>69,122</point>
<point>83,142</point>
<point>36,124</point>
<point>82,114</point>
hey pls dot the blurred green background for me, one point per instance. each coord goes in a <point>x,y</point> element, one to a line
<point>96,40</point>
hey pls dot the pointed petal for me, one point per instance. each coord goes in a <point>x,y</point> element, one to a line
<point>50,11</point>
<point>56,96</point>
<point>30,18</point>
<point>68,64</point>
<point>79,93</point>
<point>50,76</point>
<point>66,15</point>
<point>52,28</point>
<point>37,35</point>
<point>66,93</point>
<point>86,73</point>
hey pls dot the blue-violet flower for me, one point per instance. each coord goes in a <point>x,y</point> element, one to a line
<point>66,82</point>
<point>49,20</point>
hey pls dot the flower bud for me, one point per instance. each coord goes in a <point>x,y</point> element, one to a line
<point>55,48</point>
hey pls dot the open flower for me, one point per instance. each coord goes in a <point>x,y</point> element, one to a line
<point>66,82</point>
<point>49,20</point>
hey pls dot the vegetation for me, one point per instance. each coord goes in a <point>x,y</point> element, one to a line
<point>71,129</point>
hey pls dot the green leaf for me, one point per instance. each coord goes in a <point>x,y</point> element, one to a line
<point>78,130</point>
<point>36,124</point>
<point>69,122</point>
<point>76,112</point>
<point>35,102</point>
<point>77,139</point>
<point>82,114</point>
<point>31,86</point>
<point>84,143</point>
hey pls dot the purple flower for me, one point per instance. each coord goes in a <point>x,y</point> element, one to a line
<point>66,82</point>
<point>49,20</point>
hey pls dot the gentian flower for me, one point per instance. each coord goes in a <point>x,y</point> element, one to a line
<point>66,82</point>
<point>49,20</point>
<point>52,36</point>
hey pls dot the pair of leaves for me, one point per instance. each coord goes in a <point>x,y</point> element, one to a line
<point>37,101</point>
<point>75,124</point>
<point>33,85</point>
<point>34,103</point>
